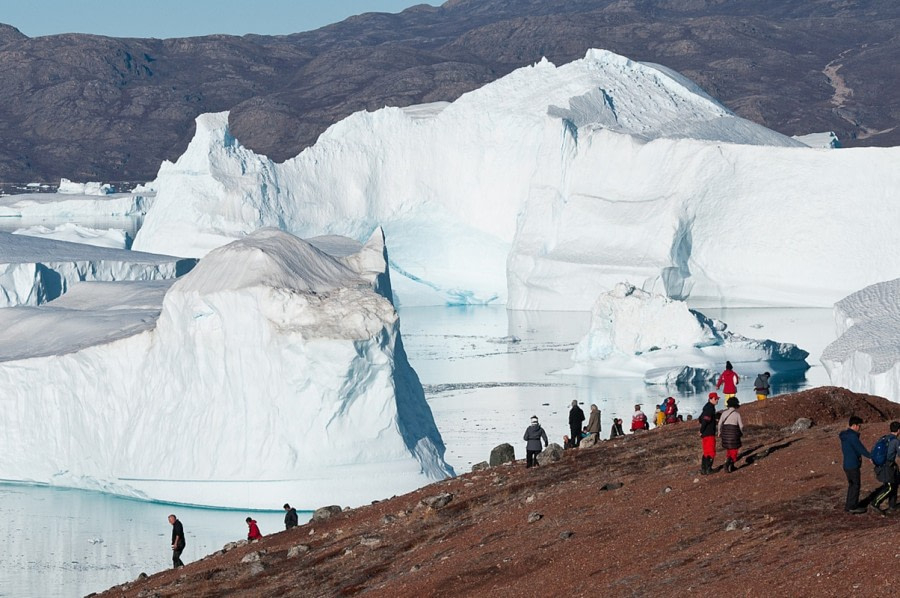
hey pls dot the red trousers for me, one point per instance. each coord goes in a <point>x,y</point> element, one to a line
<point>709,446</point>
<point>731,454</point>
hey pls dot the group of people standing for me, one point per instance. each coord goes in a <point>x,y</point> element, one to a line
<point>884,459</point>
<point>178,541</point>
<point>726,425</point>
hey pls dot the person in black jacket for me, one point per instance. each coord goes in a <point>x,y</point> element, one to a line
<point>290,516</point>
<point>852,450</point>
<point>887,473</point>
<point>576,417</point>
<point>178,542</point>
<point>533,436</point>
<point>708,433</point>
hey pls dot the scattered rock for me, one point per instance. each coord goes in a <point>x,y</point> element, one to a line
<point>533,517</point>
<point>388,519</point>
<point>370,541</point>
<point>251,557</point>
<point>501,454</point>
<point>588,442</point>
<point>256,568</point>
<point>482,466</point>
<point>666,490</point>
<point>733,525</point>
<point>437,501</point>
<point>324,513</point>
<point>552,453</point>
<point>232,545</point>
<point>295,551</point>
<point>804,423</point>
<point>611,486</point>
<point>414,568</point>
<point>141,576</point>
<point>566,535</point>
<point>531,498</point>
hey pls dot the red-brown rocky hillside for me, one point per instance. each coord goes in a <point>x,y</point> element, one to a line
<point>774,527</point>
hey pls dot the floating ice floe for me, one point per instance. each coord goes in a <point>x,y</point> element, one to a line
<point>866,355</point>
<point>37,270</point>
<point>273,371</point>
<point>637,333</point>
<point>111,238</point>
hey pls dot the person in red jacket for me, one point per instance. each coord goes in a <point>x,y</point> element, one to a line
<point>253,533</point>
<point>639,420</point>
<point>729,379</point>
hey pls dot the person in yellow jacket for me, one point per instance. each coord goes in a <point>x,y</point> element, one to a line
<point>660,417</point>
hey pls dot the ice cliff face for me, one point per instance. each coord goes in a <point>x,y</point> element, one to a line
<point>650,335</point>
<point>563,180</point>
<point>273,371</point>
<point>35,270</point>
<point>866,357</point>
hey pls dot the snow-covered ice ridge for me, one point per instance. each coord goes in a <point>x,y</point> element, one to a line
<point>637,333</point>
<point>273,371</point>
<point>866,355</point>
<point>36,270</point>
<point>549,186</point>
<point>32,207</point>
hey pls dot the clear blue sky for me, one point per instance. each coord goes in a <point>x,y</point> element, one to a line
<point>184,18</point>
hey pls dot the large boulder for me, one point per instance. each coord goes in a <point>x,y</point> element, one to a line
<point>501,454</point>
<point>552,453</point>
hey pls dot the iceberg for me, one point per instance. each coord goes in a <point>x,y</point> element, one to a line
<point>92,188</point>
<point>37,270</point>
<point>112,238</point>
<point>865,357</point>
<point>273,371</point>
<point>636,333</point>
<point>547,187</point>
<point>35,207</point>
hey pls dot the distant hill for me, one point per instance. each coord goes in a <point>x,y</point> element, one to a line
<point>111,109</point>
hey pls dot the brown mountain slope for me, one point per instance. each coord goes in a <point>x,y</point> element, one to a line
<point>89,107</point>
<point>775,526</point>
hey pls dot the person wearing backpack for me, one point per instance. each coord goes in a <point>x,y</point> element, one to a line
<point>670,410</point>
<point>731,428</point>
<point>853,451</point>
<point>761,386</point>
<point>884,455</point>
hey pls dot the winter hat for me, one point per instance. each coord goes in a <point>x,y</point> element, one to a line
<point>713,395</point>
<point>733,402</point>
<point>534,419</point>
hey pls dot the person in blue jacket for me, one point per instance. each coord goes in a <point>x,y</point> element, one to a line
<point>853,451</point>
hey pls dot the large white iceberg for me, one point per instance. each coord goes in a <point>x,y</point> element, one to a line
<point>273,371</point>
<point>37,270</point>
<point>866,355</point>
<point>563,180</point>
<point>637,333</point>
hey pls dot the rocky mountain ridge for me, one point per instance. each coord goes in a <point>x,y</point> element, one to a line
<point>92,107</point>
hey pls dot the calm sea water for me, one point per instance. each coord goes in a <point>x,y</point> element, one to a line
<point>485,372</point>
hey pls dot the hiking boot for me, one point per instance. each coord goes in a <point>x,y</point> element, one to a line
<point>704,466</point>
<point>858,511</point>
<point>729,466</point>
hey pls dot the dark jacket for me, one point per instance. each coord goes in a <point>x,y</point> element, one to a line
<point>533,435</point>
<point>178,535</point>
<point>708,420</point>
<point>576,416</point>
<point>762,385</point>
<point>852,449</point>
<point>731,428</point>
<point>886,473</point>
<point>290,518</point>
<point>616,430</point>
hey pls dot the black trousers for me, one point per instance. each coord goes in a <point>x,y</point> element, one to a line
<point>531,458</point>
<point>853,486</point>
<point>887,475</point>
<point>176,558</point>
<point>575,438</point>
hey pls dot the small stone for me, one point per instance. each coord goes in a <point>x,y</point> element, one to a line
<point>482,465</point>
<point>388,519</point>
<point>803,423</point>
<point>533,517</point>
<point>667,489</point>
<point>295,551</point>
<point>256,568</point>
<point>611,486</point>
<point>414,568</point>
<point>696,480</point>
<point>232,545</point>
<point>323,513</point>
<point>370,541</point>
<point>733,525</point>
<point>250,557</point>
<point>531,498</point>
<point>566,535</point>
<point>141,576</point>
<point>438,501</point>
